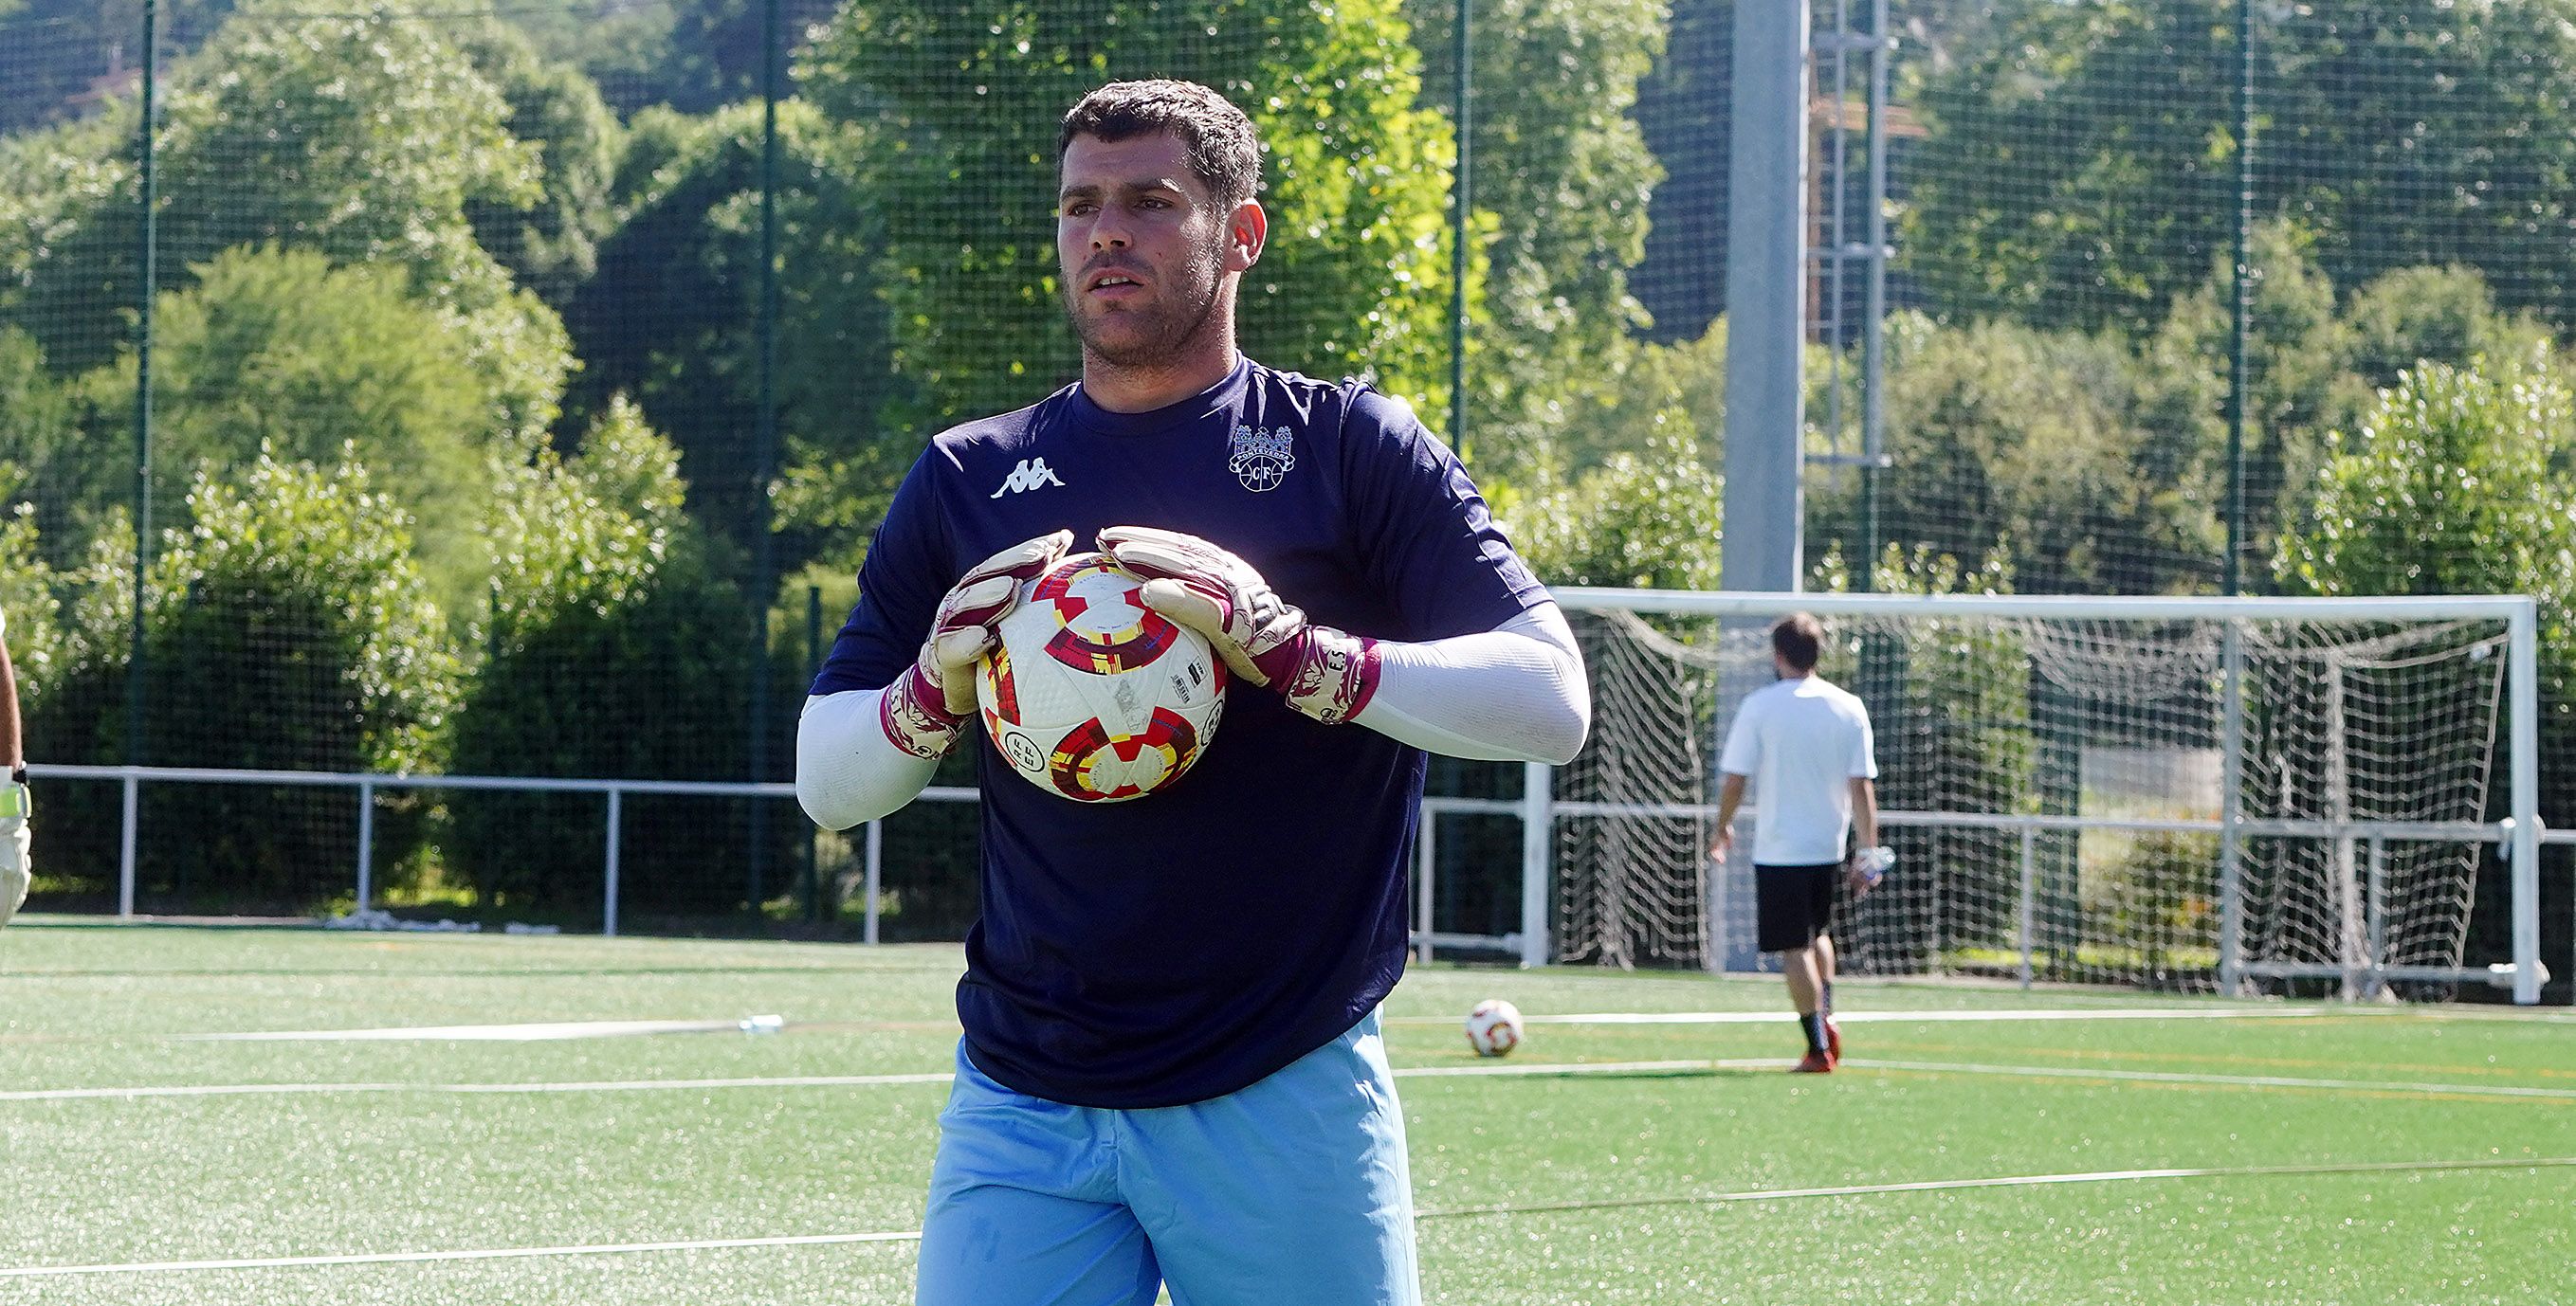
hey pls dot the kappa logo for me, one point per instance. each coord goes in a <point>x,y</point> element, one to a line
<point>1262,459</point>
<point>1031,474</point>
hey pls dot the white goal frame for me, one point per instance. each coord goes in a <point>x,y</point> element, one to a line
<point>2519,834</point>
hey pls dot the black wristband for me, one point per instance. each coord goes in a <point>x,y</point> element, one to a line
<point>18,774</point>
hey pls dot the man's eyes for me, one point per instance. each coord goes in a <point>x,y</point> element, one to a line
<point>1085,208</point>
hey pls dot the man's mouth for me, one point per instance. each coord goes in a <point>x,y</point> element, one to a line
<point>1115,285</point>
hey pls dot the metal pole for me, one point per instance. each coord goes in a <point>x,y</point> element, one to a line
<point>149,225</point>
<point>1838,245</point>
<point>1765,302</point>
<point>813,665</point>
<point>366,843</point>
<point>1426,855</point>
<point>2522,671</point>
<point>1462,192</point>
<point>764,583</point>
<point>2377,881</point>
<point>616,820</point>
<point>2029,891</point>
<point>1538,840</point>
<point>2240,326</point>
<point>1873,366</point>
<point>2231,780</point>
<point>876,878</point>
<point>125,850</point>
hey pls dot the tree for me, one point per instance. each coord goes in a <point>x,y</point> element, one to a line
<point>1561,178</point>
<point>968,100</point>
<point>2453,484</point>
<point>673,321</point>
<point>286,628</point>
<point>2080,164</point>
<point>279,350</point>
<point>611,648</point>
<point>550,246</point>
<point>2085,467</point>
<point>364,135</point>
<point>1650,519</point>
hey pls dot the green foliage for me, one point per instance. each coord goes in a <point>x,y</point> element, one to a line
<point>2159,892</point>
<point>1651,519</point>
<point>364,134</point>
<point>552,245</point>
<point>2416,129</point>
<point>2453,484</point>
<point>2296,347</point>
<point>287,628</point>
<point>2093,466</point>
<point>1355,279</point>
<point>672,320</point>
<point>1560,170</point>
<point>611,649</point>
<point>2458,482</point>
<point>50,462</point>
<point>279,350</point>
<point>2417,315</point>
<point>35,637</point>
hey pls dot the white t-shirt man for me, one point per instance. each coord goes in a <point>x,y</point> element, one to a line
<point>1802,742</point>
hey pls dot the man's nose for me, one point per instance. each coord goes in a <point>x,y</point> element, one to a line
<point>1108,230</point>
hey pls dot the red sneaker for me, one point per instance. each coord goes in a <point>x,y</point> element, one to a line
<point>1833,1041</point>
<point>1814,1063</point>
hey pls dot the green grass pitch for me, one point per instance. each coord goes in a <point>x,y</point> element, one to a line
<point>1967,1152</point>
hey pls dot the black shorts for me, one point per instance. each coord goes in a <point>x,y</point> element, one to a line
<point>1792,904</point>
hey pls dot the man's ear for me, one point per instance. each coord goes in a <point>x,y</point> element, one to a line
<point>1247,230</point>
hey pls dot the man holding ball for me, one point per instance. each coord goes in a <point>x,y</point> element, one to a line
<point>1171,1070</point>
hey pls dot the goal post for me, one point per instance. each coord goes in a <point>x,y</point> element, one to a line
<point>2197,793</point>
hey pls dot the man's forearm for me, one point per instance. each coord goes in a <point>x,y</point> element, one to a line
<point>1516,693</point>
<point>1730,796</point>
<point>1865,812</point>
<point>847,771</point>
<point>13,755</point>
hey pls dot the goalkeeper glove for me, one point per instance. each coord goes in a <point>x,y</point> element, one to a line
<point>16,806</point>
<point>926,708</point>
<point>1324,673</point>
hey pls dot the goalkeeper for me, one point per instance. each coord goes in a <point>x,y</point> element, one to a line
<point>15,807</point>
<point>1804,742</point>
<point>1171,1070</point>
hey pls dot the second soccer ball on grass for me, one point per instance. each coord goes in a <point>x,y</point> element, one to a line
<point>1094,696</point>
<point>1494,1028</point>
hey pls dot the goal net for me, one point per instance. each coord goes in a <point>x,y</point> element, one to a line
<point>2170,793</point>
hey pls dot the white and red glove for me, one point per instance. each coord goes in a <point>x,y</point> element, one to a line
<point>926,709</point>
<point>1324,673</point>
<point>16,845</point>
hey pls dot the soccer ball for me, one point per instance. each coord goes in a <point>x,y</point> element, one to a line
<point>1094,696</point>
<point>1494,1028</point>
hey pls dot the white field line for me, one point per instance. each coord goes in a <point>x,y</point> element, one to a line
<point>2233,1081</point>
<point>539,1031</point>
<point>1502,1068</point>
<point>1692,1199</point>
<point>578,1086</point>
<point>1942,1017</point>
<point>526,1033</point>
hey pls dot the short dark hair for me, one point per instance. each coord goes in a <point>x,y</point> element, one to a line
<point>1225,154</point>
<point>1797,638</point>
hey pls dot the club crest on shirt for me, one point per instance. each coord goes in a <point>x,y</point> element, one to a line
<point>1262,459</point>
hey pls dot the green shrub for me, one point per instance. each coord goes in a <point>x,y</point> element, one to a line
<point>287,628</point>
<point>611,649</point>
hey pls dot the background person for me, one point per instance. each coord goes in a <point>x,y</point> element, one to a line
<point>1804,744</point>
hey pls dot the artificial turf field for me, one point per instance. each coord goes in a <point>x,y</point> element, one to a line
<point>1971,1150</point>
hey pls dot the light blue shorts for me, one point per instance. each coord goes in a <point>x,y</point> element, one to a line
<point>1292,1190</point>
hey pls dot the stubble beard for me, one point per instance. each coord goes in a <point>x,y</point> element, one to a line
<point>1159,334</point>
